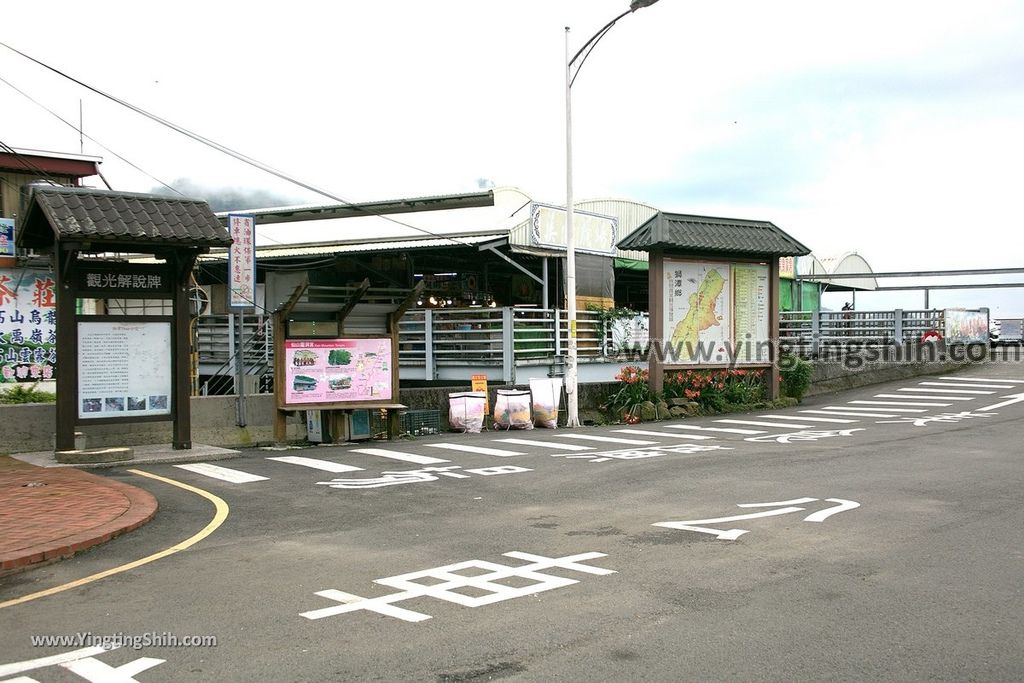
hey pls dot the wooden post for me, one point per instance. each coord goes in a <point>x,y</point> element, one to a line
<point>181,349</point>
<point>280,377</point>
<point>773,327</point>
<point>67,348</point>
<point>656,321</point>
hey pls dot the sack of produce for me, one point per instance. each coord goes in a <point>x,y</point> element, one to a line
<point>512,409</point>
<point>466,411</point>
<point>547,394</point>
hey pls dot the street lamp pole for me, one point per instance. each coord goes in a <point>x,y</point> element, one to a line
<point>572,69</point>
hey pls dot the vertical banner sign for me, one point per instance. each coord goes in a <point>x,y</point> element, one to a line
<point>6,237</point>
<point>28,325</point>
<point>242,261</point>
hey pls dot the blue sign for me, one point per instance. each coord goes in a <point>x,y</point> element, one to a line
<point>6,237</point>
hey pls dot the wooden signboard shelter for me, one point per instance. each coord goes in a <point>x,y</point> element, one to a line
<point>359,327</point>
<point>713,293</point>
<point>123,358</point>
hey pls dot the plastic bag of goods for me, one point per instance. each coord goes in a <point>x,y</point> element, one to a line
<point>466,411</point>
<point>547,394</point>
<point>512,409</point>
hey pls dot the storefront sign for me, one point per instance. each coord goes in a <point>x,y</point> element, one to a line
<point>28,325</point>
<point>105,279</point>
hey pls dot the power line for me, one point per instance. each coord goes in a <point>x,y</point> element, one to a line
<point>27,164</point>
<point>89,137</point>
<point>224,149</point>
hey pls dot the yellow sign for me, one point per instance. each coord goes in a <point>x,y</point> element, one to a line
<point>480,384</point>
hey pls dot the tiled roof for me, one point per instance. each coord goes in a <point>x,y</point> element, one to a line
<point>128,218</point>
<point>707,234</point>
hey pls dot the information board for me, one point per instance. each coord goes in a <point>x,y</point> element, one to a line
<point>337,370</point>
<point>966,327</point>
<point>124,369</point>
<point>750,312</point>
<point>697,303</point>
<point>716,312</point>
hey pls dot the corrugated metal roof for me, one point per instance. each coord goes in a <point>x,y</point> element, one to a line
<point>710,234</point>
<point>468,239</point>
<point>121,217</point>
<point>630,214</point>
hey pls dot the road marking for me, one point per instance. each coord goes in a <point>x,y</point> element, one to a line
<point>671,435</point>
<point>818,419</point>
<point>733,534</point>
<point>218,518</point>
<point>946,391</point>
<point>888,410</point>
<point>984,379</point>
<point>398,455</point>
<point>900,403</point>
<point>728,430</point>
<point>95,671</point>
<point>325,465</point>
<point>846,413</point>
<point>222,473</point>
<point>972,386</point>
<point>548,444</point>
<point>785,425</point>
<point>608,439</point>
<point>476,449</point>
<point>1014,398</point>
<point>928,398</point>
<point>448,583</point>
<point>52,660</point>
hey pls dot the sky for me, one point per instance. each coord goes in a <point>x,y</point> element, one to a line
<point>895,130</point>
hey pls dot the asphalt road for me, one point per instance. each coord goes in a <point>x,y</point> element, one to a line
<point>891,550</point>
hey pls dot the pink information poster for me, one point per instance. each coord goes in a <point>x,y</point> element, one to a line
<point>337,370</point>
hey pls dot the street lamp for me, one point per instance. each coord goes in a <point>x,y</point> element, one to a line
<point>572,69</point>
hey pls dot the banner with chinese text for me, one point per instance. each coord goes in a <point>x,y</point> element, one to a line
<point>242,261</point>
<point>28,325</point>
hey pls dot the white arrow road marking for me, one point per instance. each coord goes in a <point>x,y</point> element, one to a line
<point>795,501</point>
<point>1014,398</point>
<point>223,473</point>
<point>984,379</point>
<point>547,444</point>
<point>325,465</point>
<point>822,515</point>
<point>727,534</point>
<point>927,398</point>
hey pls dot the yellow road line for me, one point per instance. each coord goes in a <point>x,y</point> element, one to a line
<point>218,519</point>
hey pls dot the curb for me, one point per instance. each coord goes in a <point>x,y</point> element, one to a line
<point>142,507</point>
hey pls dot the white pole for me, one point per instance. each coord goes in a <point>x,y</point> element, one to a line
<point>572,404</point>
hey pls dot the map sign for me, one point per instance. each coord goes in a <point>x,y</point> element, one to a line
<point>750,312</point>
<point>337,370</point>
<point>697,304</point>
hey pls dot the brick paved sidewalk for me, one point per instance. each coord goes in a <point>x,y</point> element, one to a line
<point>48,513</point>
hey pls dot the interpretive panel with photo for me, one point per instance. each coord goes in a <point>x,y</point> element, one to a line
<point>338,370</point>
<point>124,369</point>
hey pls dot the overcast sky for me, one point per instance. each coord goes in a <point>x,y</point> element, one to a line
<point>892,129</point>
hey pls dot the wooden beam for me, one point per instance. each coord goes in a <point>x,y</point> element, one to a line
<point>286,310</point>
<point>353,301</point>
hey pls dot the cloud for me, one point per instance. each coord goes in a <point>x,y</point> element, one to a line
<point>227,198</point>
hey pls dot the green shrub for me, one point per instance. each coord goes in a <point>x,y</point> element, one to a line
<point>796,376</point>
<point>20,393</point>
